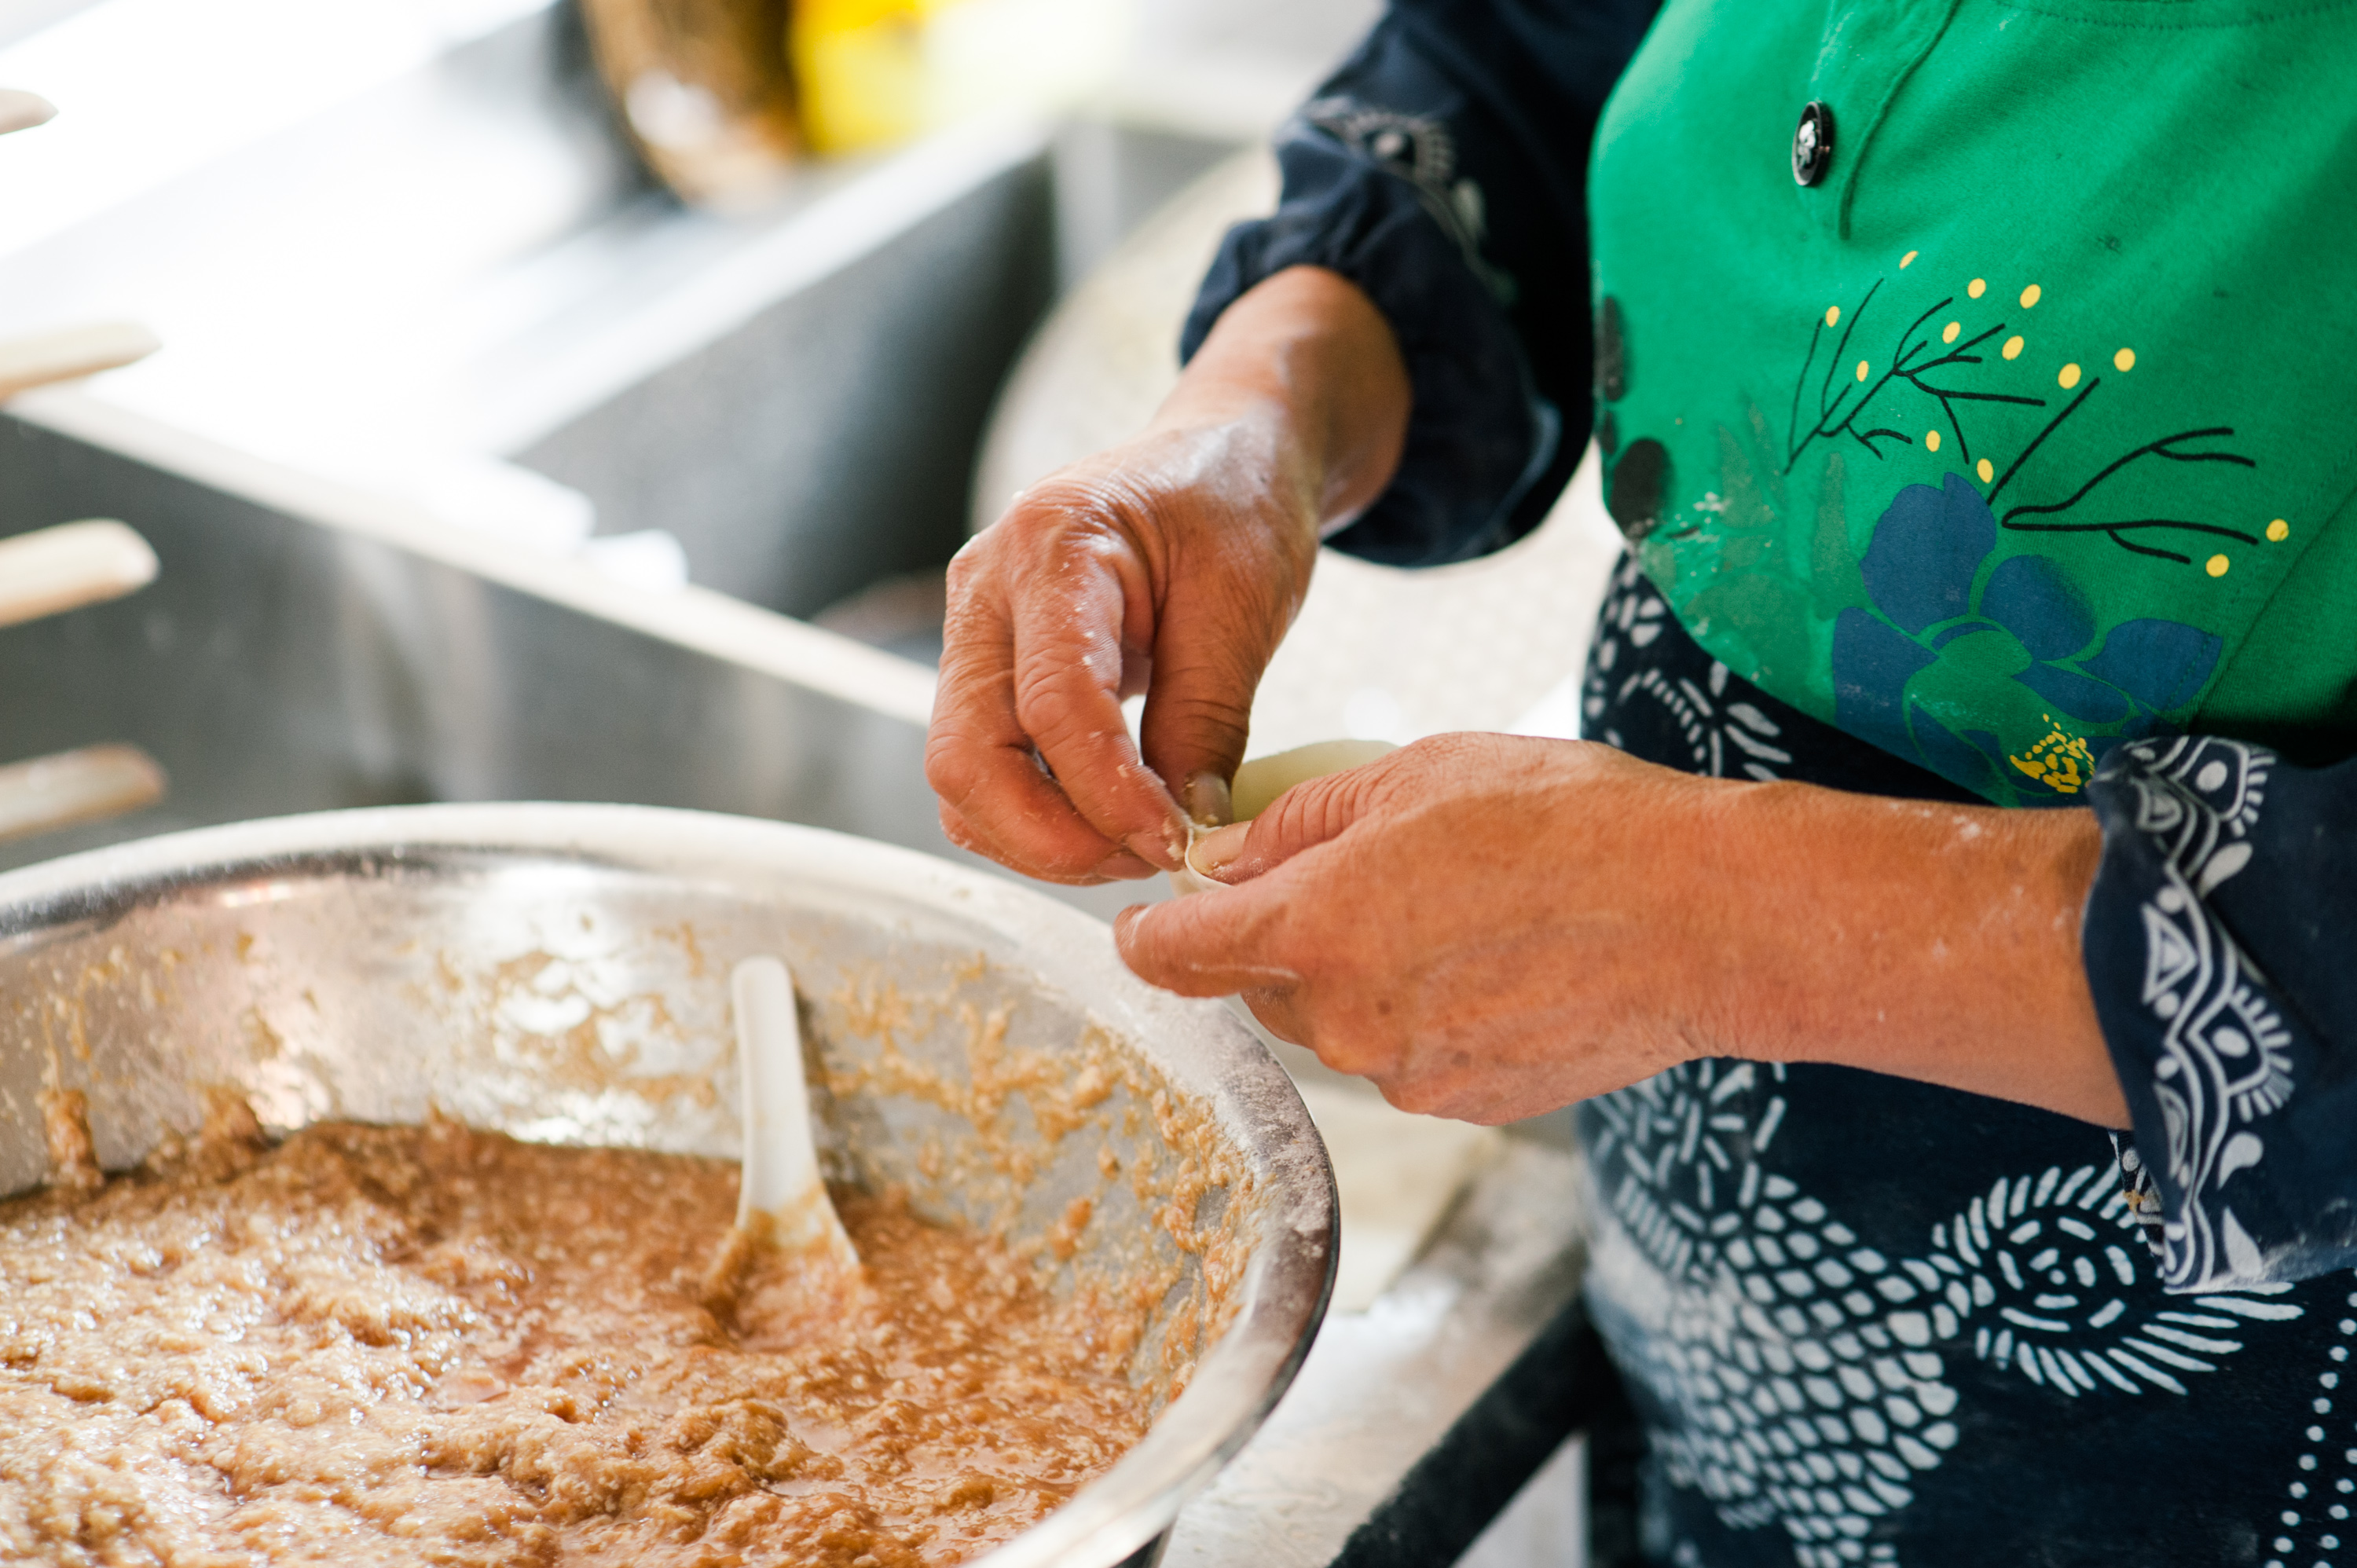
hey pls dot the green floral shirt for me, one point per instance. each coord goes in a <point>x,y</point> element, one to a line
<point>2031,424</point>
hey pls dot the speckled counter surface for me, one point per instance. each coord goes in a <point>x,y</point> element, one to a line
<point>1411,1424</point>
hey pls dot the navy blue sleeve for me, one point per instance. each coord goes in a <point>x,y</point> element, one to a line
<point>1443,170</point>
<point>2219,944</point>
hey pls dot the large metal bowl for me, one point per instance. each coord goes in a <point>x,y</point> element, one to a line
<point>559,973</point>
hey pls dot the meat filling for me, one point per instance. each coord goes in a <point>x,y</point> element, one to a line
<point>413,1345</point>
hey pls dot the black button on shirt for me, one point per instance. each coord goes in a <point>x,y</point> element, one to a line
<point>1813,143</point>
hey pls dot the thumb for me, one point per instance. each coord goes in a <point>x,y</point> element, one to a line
<point>1197,721</point>
<point>1213,641</point>
<point>1315,812</point>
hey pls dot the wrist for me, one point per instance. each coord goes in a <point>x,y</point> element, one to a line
<point>1931,941</point>
<point>1306,361</point>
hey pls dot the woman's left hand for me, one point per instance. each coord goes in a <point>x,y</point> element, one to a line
<point>1490,926</point>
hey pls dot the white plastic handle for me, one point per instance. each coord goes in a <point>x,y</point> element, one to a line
<point>35,361</point>
<point>52,570</point>
<point>85,786</point>
<point>781,1175</point>
<point>21,111</point>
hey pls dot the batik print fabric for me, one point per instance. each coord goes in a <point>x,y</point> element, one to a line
<point>1871,1321</point>
<point>2220,944</point>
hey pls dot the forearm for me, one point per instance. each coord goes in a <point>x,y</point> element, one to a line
<point>1929,941</point>
<point>1306,359</point>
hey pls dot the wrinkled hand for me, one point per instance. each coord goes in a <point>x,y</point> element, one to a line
<point>1444,921</point>
<point>1489,928</point>
<point>1169,566</point>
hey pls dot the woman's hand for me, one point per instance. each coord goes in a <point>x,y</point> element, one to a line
<point>1489,928</point>
<point>1169,566</point>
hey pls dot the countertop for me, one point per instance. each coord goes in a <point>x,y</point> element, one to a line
<point>1413,1423</point>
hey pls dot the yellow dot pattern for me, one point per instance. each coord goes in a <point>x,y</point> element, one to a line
<point>1931,441</point>
<point>2029,296</point>
<point>1908,259</point>
<point>2061,761</point>
<point>1977,287</point>
<point>1833,315</point>
<point>1862,370</point>
<point>2217,565</point>
<point>2013,348</point>
<point>1948,333</point>
<point>2279,531</point>
<point>1988,470</point>
<point>2069,378</point>
<point>2125,360</point>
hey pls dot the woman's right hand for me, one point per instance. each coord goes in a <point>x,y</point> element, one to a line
<point>1171,565</point>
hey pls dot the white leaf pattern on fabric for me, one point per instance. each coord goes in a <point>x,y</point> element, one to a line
<point>1809,1372</point>
<point>2224,1063</point>
<point>1729,739</point>
<point>1749,1373</point>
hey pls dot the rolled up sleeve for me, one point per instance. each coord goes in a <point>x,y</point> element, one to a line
<point>2220,942</point>
<point>1442,169</point>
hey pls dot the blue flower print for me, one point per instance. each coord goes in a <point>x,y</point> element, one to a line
<point>1939,609</point>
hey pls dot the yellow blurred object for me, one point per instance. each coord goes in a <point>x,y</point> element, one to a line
<point>872,72</point>
<point>860,65</point>
<point>703,87</point>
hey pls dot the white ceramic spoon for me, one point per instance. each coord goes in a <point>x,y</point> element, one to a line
<point>780,1177</point>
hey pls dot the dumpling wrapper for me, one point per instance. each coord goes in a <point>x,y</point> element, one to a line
<point>1259,782</point>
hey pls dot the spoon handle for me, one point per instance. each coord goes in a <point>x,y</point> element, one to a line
<point>780,1176</point>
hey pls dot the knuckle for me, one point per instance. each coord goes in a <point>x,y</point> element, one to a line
<point>1354,795</point>
<point>1343,1053</point>
<point>1067,512</point>
<point>1417,1095</point>
<point>1200,722</point>
<point>1056,722</point>
<point>1202,704</point>
<point>1454,750</point>
<point>1321,810</point>
<point>951,766</point>
<point>955,829</point>
<point>1062,518</point>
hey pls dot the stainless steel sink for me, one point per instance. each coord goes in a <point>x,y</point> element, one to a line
<point>795,395</point>
<point>279,665</point>
<point>455,268</point>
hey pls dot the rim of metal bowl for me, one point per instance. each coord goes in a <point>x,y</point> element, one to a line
<point>1199,1045</point>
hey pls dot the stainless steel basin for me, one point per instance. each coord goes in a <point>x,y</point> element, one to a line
<point>558,974</point>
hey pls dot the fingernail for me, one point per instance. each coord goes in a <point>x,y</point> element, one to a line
<point>1208,799</point>
<point>1166,852</point>
<point>1214,851</point>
